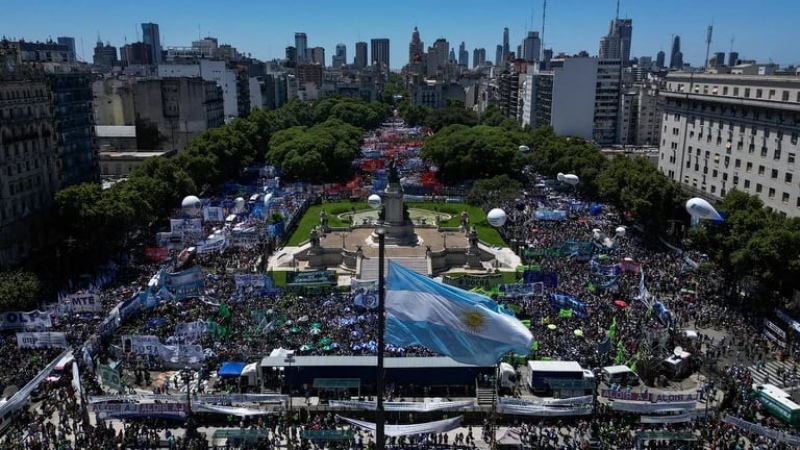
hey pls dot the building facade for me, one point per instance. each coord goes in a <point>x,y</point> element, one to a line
<point>151,36</point>
<point>73,117</point>
<point>723,132</point>
<point>301,44</point>
<point>361,58</point>
<point>230,77</point>
<point>617,43</point>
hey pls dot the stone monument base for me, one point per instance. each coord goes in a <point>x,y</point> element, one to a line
<point>399,235</point>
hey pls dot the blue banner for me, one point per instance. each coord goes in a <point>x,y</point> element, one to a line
<point>550,279</point>
<point>188,283</point>
<point>562,301</point>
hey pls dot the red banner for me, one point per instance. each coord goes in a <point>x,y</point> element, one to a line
<point>156,254</point>
<point>371,165</point>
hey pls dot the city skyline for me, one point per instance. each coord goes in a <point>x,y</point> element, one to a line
<point>264,31</point>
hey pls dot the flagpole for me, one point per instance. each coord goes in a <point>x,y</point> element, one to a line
<point>380,418</point>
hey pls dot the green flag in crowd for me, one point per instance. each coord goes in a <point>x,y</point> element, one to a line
<point>612,330</point>
<point>224,311</point>
<point>567,313</point>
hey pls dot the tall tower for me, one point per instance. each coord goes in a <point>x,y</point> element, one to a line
<point>617,43</point>
<point>531,46</point>
<point>660,59</point>
<point>675,56</point>
<point>301,44</point>
<point>498,56</point>
<point>361,59</point>
<point>463,55</point>
<point>380,52</point>
<point>151,36</point>
<point>415,48</point>
<point>506,49</point>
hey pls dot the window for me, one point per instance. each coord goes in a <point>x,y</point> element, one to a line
<point>771,193</point>
<point>764,152</point>
<point>761,170</point>
<point>736,92</point>
<point>747,184</point>
<point>790,158</point>
<point>746,92</point>
<point>787,177</point>
<point>785,96</point>
<point>759,92</point>
<point>772,94</point>
<point>749,167</point>
<point>713,189</point>
<point>738,163</point>
<point>714,173</point>
<point>777,155</point>
<point>774,174</point>
<point>785,197</point>
<point>725,90</point>
<point>759,188</point>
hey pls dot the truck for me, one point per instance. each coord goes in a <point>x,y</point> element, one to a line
<point>540,372</point>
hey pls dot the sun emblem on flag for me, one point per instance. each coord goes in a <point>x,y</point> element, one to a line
<point>474,320</point>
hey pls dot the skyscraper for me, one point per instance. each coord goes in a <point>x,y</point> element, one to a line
<point>675,56</point>
<point>506,49</point>
<point>498,56</point>
<point>317,55</point>
<point>360,60</point>
<point>660,57</point>
<point>70,43</point>
<point>152,37</point>
<point>340,58</point>
<point>380,51</point>
<point>415,48</point>
<point>463,55</point>
<point>531,46</point>
<point>617,43</point>
<point>733,58</point>
<point>452,56</point>
<point>301,44</point>
<point>478,57</point>
<point>291,56</point>
<point>719,59</point>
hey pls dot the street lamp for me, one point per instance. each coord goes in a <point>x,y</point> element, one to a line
<point>380,418</point>
<point>344,237</point>
<point>289,360</point>
<point>496,218</point>
<point>186,376</point>
<point>444,236</point>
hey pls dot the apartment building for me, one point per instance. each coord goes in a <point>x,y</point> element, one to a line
<point>723,132</point>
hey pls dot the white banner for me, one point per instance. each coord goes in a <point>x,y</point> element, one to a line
<point>212,246</point>
<point>403,406</point>
<point>244,239</point>
<point>42,340</point>
<point>84,303</point>
<point>763,431</point>
<point>642,407</point>
<point>15,320</point>
<point>582,400</point>
<point>227,398</point>
<point>440,426</point>
<point>151,345</point>
<point>243,280</point>
<point>213,214</point>
<point>229,410</point>
<point>76,381</point>
<point>184,225</point>
<point>134,410</point>
<point>191,332</point>
<point>544,410</point>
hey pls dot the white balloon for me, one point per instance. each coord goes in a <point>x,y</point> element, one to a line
<point>496,217</point>
<point>571,179</point>
<point>191,206</point>
<point>560,176</point>
<point>239,204</point>
<point>524,148</point>
<point>434,169</point>
<point>697,207</point>
<point>374,201</point>
<point>267,199</point>
<point>621,231</point>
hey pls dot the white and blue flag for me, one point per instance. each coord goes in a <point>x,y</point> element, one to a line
<point>468,327</point>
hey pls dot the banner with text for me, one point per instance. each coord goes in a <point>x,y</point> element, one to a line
<point>42,340</point>
<point>16,320</point>
<point>139,410</point>
<point>188,283</point>
<point>78,303</point>
<point>472,281</point>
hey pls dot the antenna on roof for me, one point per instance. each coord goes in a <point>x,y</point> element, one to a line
<point>617,15</point>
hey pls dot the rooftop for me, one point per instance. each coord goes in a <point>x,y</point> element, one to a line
<point>115,131</point>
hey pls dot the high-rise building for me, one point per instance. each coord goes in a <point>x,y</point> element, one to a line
<point>105,56</point>
<point>675,56</point>
<point>152,37</point>
<point>531,46</point>
<point>498,56</point>
<point>478,57</point>
<point>70,43</point>
<point>463,55</point>
<point>725,132</point>
<point>361,59</point>
<point>718,60</point>
<point>317,55</point>
<point>660,59</point>
<point>380,52</point>
<point>617,43</point>
<point>291,56</point>
<point>733,59</point>
<point>136,53</point>
<point>415,48</point>
<point>301,44</point>
<point>451,58</point>
<point>506,49</point>
<point>340,58</point>
<point>438,57</point>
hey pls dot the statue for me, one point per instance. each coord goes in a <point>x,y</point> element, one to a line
<point>406,215</point>
<point>323,219</point>
<point>394,175</point>
<point>314,237</point>
<point>473,237</point>
<point>464,220</point>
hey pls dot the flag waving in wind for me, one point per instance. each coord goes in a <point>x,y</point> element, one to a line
<point>463,325</point>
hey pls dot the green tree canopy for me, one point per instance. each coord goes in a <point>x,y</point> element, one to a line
<point>19,290</point>
<point>490,192</point>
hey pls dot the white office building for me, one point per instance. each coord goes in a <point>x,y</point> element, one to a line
<point>209,70</point>
<point>723,132</point>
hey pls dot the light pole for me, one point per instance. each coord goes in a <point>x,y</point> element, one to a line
<point>444,236</point>
<point>289,360</point>
<point>186,377</point>
<point>496,218</point>
<point>344,237</point>
<point>380,418</point>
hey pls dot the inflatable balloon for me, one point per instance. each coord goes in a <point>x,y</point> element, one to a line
<point>496,217</point>
<point>571,179</point>
<point>191,206</point>
<point>560,176</point>
<point>620,231</point>
<point>374,201</point>
<point>524,148</point>
<point>267,199</point>
<point>701,209</point>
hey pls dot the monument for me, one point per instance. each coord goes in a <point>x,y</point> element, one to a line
<point>393,216</point>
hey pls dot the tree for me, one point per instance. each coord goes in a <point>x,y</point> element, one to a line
<point>19,290</point>
<point>452,114</point>
<point>490,192</point>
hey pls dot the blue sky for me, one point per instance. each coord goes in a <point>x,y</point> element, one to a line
<point>763,30</point>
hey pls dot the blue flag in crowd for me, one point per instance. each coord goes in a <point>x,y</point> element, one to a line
<point>468,327</point>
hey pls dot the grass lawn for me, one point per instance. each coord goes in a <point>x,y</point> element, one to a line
<point>477,217</point>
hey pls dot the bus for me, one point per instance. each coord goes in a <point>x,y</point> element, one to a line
<point>779,403</point>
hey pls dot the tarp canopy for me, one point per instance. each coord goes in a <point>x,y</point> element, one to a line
<point>510,438</point>
<point>440,426</point>
<point>280,352</point>
<point>250,368</point>
<point>403,406</point>
<point>228,410</point>
<point>231,369</point>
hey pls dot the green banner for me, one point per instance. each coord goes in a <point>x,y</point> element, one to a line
<point>472,281</point>
<point>327,435</point>
<point>314,278</point>
<point>110,377</point>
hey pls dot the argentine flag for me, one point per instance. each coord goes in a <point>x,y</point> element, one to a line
<point>463,325</point>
